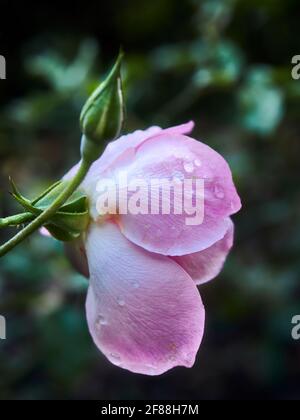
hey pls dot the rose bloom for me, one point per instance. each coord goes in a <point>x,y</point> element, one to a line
<point>143,308</point>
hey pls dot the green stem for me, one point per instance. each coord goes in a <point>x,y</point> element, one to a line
<point>17,219</point>
<point>49,212</point>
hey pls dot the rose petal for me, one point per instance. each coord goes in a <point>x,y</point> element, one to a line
<point>168,157</point>
<point>144,312</point>
<point>206,265</point>
<point>45,232</point>
<point>115,149</point>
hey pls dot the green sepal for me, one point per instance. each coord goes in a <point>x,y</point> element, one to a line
<point>46,192</point>
<point>61,234</point>
<point>72,218</point>
<point>26,204</point>
<point>73,222</point>
<point>47,198</point>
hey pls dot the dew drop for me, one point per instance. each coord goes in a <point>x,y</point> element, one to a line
<point>188,167</point>
<point>151,368</point>
<point>189,358</point>
<point>101,321</point>
<point>115,358</point>
<point>198,163</point>
<point>121,302</point>
<point>172,358</point>
<point>219,192</point>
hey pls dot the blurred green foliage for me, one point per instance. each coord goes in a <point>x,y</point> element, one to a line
<point>227,65</point>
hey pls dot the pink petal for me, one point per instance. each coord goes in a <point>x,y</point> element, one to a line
<point>180,129</point>
<point>144,311</point>
<point>206,265</point>
<point>117,148</point>
<point>168,156</point>
<point>45,232</point>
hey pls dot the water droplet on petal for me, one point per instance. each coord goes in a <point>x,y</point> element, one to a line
<point>151,368</point>
<point>219,192</point>
<point>189,358</point>
<point>121,302</point>
<point>115,358</point>
<point>101,320</point>
<point>188,167</point>
<point>198,163</point>
<point>172,358</point>
<point>135,285</point>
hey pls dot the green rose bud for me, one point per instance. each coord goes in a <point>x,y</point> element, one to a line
<point>102,116</point>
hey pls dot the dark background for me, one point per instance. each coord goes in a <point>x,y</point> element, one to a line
<point>227,65</point>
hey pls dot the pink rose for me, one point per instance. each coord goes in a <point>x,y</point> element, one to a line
<point>143,308</point>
